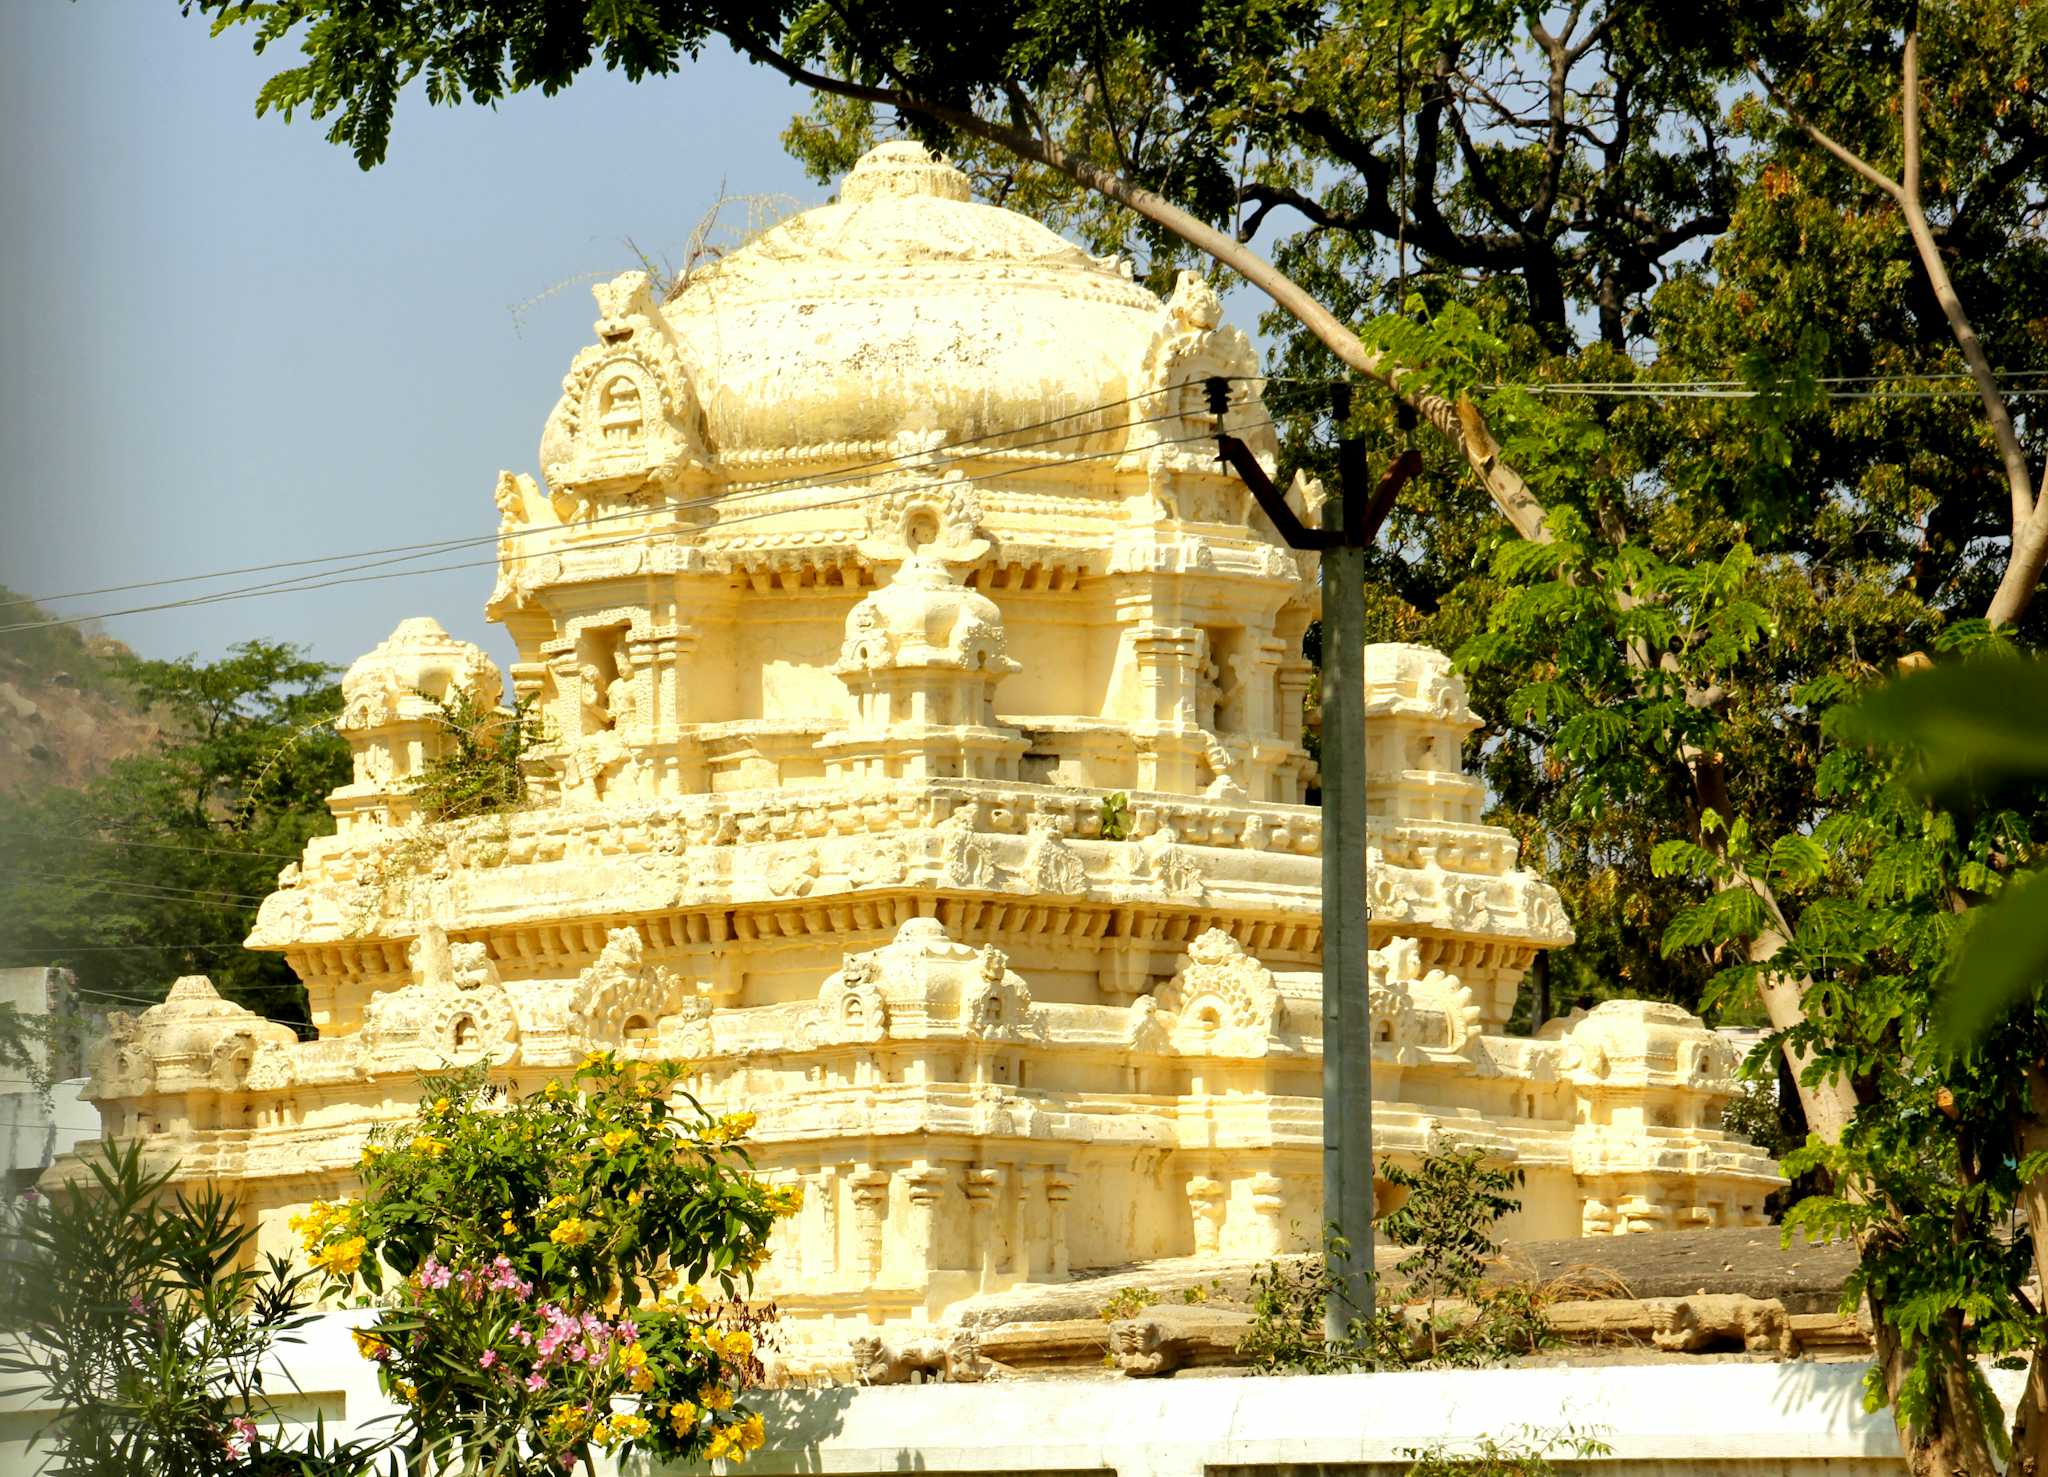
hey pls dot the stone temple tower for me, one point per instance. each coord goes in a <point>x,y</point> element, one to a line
<point>924,762</point>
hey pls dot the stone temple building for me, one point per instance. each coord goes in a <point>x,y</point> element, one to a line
<point>923,761</point>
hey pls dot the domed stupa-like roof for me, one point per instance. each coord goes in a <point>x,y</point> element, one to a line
<point>903,306</point>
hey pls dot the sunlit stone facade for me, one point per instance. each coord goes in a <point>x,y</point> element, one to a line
<point>924,761</point>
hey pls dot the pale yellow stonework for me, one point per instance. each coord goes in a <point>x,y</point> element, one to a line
<point>865,570</point>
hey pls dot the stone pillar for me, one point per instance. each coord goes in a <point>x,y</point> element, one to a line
<point>1169,664</point>
<point>821,1230</point>
<point>870,1189</point>
<point>1059,1188</point>
<point>1027,1180</point>
<point>926,1185</point>
<point>1205,1200</point>
<point>984,1188</point>
<point>1258,691</point>
<point>661,667</point>
<point>1269,1201</point>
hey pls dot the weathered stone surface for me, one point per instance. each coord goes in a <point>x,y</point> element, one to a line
<point>1166,1339</point>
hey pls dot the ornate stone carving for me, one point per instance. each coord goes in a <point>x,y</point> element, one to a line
<point>997,1003</point>
<point>622,996</point>
<point>1223,1001</point>
<point>193,1041</point>
<point>970,861</point>
<point>876,677</point>
<point>1053,868</point>
<point>455,1012</point>
<point>1159,861</point>
<point>628,415</point>
<point>850,1004</point>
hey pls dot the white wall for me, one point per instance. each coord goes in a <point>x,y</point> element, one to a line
<point>1695,1417</point>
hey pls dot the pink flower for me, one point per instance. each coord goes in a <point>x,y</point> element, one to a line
<point>241,1436</point>
<point>433,1274</point>
<point>490,1357</point>
<point>536,1381</point>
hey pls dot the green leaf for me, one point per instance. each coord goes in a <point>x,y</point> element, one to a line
<point>1978,720</point>
<point>2003,958</point>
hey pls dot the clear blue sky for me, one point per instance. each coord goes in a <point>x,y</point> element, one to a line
<point>224,344</point>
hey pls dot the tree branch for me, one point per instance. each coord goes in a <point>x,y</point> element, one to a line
<point>1461,422</point>
<point>2029,535</point>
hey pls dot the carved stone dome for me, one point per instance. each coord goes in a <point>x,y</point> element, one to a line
<point>905,307</point>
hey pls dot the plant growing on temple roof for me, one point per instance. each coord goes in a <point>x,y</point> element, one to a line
<point>1447,1226</point>
<point>480,771</point>
<point>560,1273</point>
<point>144,1319</point>
<point>1116,816</point>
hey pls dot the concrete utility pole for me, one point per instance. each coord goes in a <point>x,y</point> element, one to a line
<point>1350,522</point>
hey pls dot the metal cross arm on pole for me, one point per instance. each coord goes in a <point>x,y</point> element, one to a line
<point>1350,522</point>
<point>1358,533</point>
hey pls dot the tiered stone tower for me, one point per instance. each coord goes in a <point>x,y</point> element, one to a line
<point>924,762</point>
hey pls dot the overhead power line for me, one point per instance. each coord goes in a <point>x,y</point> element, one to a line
<point>347,576</point>
<point>284,856</point>
<point>985,444</point>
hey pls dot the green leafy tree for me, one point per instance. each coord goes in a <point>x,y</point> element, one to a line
<point>558,1273</point>
<point>156,867</point>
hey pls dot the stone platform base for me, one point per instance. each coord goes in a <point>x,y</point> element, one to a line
<point>1685,1416</point>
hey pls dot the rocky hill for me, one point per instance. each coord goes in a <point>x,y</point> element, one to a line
<point>64,713</point>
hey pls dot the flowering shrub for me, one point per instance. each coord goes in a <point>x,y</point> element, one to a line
<point>136,1313</point>
<point>542,1265</point>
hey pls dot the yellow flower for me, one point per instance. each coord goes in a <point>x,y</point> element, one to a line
<point>342,1258</point>
<point>370,1153</point>
<point>593,1059</point>
<point>753,1432</point>
<point>440,1105</point>
<point>721,1447</point>
<point>369,1345</point>
<point>642,1381</point>
<point>786,1199</point>
<point>572,1232</point>
<point>427,1144</point>
<point>731,1126</point>
<point>633,1356</point>
<point>618,1139</point>
<point>692,1294</point>
<point>410,1391</point>
<point>510,1228</point>
<point>629,1427</point>
<point>682,1417</point>
<point>319,1218</point>
<point>736,1345</point>
<point>633,1197</point>
<point>715,1397</point>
